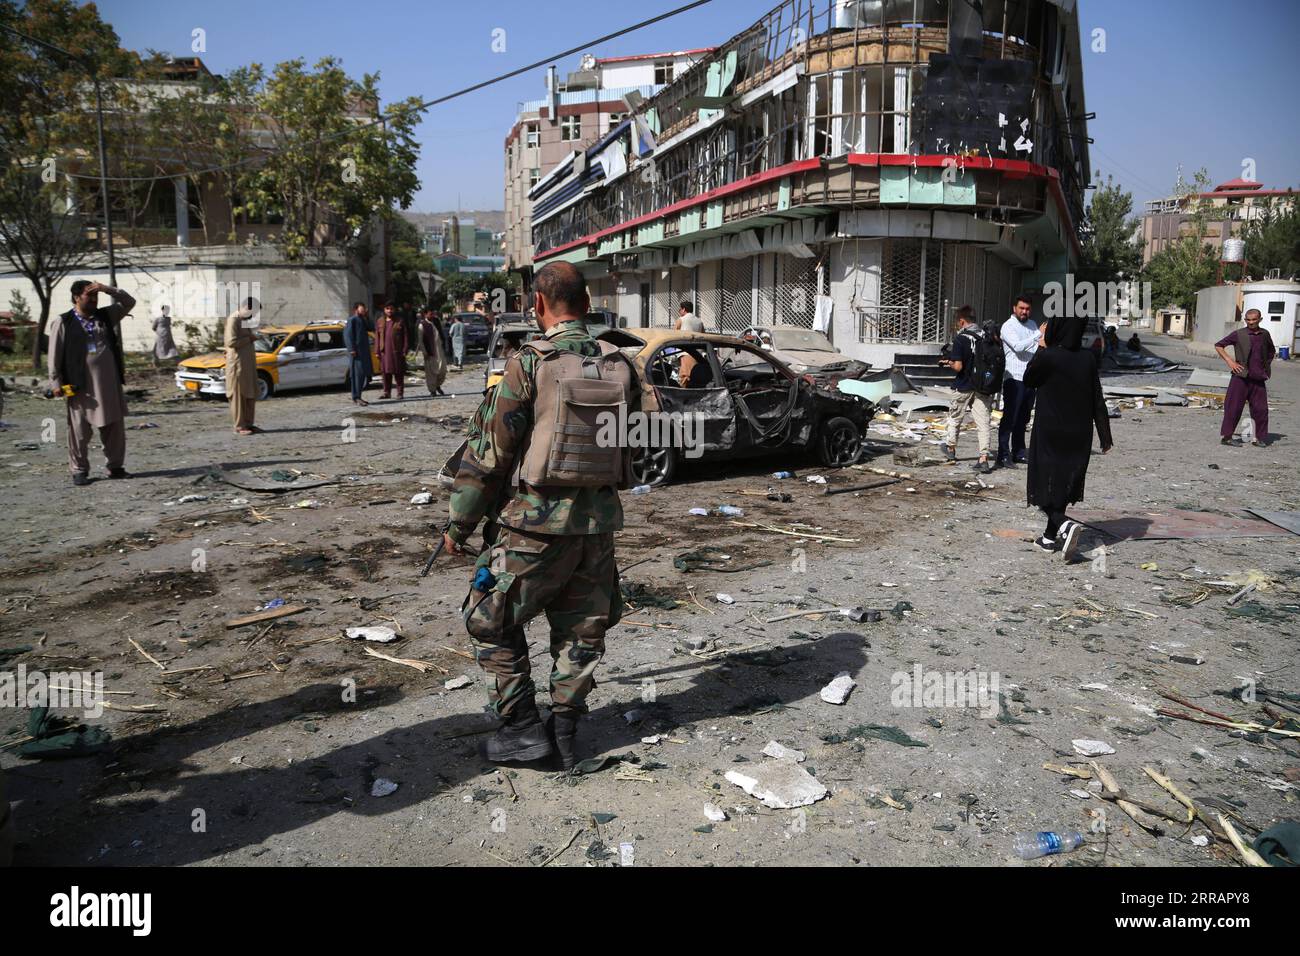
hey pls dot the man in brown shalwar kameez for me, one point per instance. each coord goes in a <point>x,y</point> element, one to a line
<point>435,359</point>
<point>85,360</point>
<point>390,343</point>
<point>241,366</point>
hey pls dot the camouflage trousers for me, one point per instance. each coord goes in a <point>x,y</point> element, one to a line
<point>574,580</point>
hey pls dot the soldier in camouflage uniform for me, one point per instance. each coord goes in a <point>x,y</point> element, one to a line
<point>546,548</point>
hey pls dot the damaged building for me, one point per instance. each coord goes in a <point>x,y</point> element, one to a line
<point>860,167</point>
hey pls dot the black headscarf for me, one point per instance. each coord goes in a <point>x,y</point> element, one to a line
<point>1066,332</point>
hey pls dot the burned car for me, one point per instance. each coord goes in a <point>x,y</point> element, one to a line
<point>511,331</point>
<point>746,402</point>
<point>806,350</point>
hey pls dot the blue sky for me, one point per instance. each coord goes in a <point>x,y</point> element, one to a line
<point>1180,81</point>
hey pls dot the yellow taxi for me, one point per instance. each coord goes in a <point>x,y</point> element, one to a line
<point>288,357</point>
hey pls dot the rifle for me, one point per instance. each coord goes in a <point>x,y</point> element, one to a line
<point>442,541</point>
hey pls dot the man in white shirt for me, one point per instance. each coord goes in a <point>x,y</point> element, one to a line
<point>687,320</point>
<point>1019,343</point>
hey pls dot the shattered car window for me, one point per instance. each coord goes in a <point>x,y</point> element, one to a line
<point>803,339</point>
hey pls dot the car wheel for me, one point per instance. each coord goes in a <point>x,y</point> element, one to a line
<point>265,388</point>
<point>839,443</point>
<point>653,466</point>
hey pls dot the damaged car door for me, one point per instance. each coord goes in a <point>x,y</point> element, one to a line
<point>696,414</point>
<point>766,396</point>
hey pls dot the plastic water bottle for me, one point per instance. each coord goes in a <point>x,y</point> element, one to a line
<point>731,511</point>
<point>782,474</point>
<point>1248,431</point>
<point>641,490</point>
<point>1030,846</point>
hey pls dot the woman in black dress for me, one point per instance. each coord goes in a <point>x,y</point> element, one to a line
<point>1069,404</point>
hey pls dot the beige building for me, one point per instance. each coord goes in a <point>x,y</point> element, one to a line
<point>1231,205</point>
<point>577,111</point>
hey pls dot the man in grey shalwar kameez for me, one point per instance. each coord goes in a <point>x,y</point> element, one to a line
<point>87,368</point>
<point>164,346</point>
<point>435,360</point>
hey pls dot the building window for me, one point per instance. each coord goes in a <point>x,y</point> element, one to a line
<point>534,175</point>
<point>532,135</point>
<point>570,128</point>
<point>663,72</point>
<point>615,119</point>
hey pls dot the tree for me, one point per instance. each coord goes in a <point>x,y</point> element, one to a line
<point>406,261</point>
<point>332,163</point>
<point>1110,251</point>
<point>46,126</point>
<point>1273,240</point>
<point>1188,265</point>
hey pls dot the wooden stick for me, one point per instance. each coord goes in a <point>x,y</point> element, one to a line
<point>1068,771</point>
<point>867,487</point>
<point>421,666</point>
<point>793,534</point>
<point>554,856</point>
<point>1249,727</point>
<point>160,665</point>
<point>283,611</point>
<point>1110,783</point>
<point>1187,703</point>
<point>1250,856</point>
<point>468,657</point>
<point>1167,785</point>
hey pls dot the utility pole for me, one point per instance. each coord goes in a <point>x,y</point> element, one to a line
<point>99,124</point>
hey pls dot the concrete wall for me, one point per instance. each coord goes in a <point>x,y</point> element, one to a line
<point>201,284</point>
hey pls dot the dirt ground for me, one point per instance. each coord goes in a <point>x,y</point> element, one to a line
<point>246,745</point>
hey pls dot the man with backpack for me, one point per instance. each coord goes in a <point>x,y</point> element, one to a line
<point>537,469</point>
<point>977,359</point>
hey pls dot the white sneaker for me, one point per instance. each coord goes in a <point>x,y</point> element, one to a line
<point>1046,544</point>
<point>1069,533</point>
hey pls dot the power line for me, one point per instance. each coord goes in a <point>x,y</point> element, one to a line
<point>420,107</point>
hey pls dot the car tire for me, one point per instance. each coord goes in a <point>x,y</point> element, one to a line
<point>265,387</point>
<point>653,466</point>
<point>839,442</point>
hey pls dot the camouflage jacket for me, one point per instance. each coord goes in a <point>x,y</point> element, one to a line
<point>497,436</point>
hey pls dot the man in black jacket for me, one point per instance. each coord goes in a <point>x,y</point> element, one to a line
<point>86,368</point>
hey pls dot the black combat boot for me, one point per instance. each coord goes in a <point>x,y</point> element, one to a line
<point>523,738</point>
<point>563,728</point>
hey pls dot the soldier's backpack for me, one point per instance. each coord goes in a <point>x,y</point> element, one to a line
<point>988,363</point>
<point>578,398</point>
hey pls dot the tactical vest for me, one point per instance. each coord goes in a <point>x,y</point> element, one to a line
<point>575,394</point>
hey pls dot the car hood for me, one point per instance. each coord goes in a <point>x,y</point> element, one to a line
<point>209,360</point>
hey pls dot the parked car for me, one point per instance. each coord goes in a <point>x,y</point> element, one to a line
<point>478,329</point>
<point>288,357</point>
<point>511,331</point>
<point>752,403</point>
<point>805,350</point>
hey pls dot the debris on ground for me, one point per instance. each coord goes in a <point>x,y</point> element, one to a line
<point>838,690</point>
<point>379,634</point>
<point>1091,748</point>
<point>779,784</point>
<point>781,752</point>
<point>59,738</point>
<point>886,732</point>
